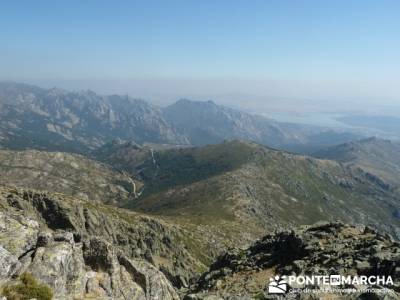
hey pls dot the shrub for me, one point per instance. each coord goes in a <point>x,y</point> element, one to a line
<point>27,289</point>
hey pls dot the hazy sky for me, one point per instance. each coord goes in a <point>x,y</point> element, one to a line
<point>324,52</point>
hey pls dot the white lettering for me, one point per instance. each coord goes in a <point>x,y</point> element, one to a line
<point>364,280</point>
<point>339,280</point>
<point>346,280</point>
<point>301,280</point>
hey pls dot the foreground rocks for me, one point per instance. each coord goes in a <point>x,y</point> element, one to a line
<point>92,268</point>
<point>89,252</point>
<point>324,249</point>
<point>82,250</point>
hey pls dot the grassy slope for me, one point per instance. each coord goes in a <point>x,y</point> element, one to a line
<point>377,156</point>
<point>241,184</point>
<point>66,173</point>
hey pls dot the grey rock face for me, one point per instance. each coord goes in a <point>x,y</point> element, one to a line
<point>93,268</point>
<point>79,252</point>
<point>9,264</point>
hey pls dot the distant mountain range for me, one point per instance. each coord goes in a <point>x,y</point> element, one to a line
<point>77,121</point>
<point>54,119</point>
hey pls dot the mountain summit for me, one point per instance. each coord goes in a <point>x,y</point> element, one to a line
<point>54,119</point>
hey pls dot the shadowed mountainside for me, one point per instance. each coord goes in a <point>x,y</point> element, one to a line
<point>204,122</point>
<point>31,117</point>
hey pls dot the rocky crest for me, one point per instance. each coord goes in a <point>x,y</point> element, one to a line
<point>82,250</point>
<point>31,117</point>
<point>322,249</point>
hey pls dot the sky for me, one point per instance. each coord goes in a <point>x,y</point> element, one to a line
<point>268,55</point>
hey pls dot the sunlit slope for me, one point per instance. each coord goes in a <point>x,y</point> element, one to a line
<point>250,184</point>
<point>376,156</point>
<point>66,173</point>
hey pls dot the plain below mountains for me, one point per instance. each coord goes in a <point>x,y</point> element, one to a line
<point>54,119</point>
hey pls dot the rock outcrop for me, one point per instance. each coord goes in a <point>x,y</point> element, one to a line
<point>82,269</point>
<point>81,250</point>
<point>323,249</point>
<point>85,250</point>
